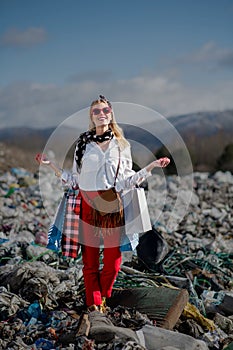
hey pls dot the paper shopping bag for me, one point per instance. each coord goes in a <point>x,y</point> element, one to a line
<point>136,214</point>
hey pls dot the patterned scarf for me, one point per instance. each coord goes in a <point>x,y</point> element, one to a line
<point>86,138</point>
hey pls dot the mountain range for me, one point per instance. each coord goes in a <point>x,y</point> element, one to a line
<point>205,134</point>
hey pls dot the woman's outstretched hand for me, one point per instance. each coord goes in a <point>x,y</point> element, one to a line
<point>158,163</point>
<point>162,162</point>
<point>42,159</point>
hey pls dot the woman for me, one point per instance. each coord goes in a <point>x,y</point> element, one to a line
<point>102,158</point>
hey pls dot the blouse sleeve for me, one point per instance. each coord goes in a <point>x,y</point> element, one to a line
<point>130,178</point>
<point>70,179</point>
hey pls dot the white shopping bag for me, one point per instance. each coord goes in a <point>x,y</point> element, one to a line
<point>136,214</point>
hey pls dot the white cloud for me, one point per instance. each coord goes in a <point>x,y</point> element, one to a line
<point>14,37</point>
<point>210,52</point>
<point>38,105</point>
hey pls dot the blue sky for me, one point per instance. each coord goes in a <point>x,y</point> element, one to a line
<point>56,56</point>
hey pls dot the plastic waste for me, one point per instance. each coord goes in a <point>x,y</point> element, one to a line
<point>210,296</point>
<point>194,299</point>
<point>12,188</point>
<point>32,321</point>
<point>35,310</point>
<point>191,311</point>
<point>44,344</point>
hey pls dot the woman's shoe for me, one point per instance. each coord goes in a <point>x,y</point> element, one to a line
<point>103,306</point>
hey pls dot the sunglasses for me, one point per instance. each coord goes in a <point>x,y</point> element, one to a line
<point>105,110</point>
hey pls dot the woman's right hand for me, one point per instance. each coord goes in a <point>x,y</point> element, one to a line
<point>42,159</point>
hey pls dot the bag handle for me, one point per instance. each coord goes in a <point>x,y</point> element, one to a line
<point>118,166</point>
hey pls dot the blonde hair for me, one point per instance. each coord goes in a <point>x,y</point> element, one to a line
<point>116,129</point>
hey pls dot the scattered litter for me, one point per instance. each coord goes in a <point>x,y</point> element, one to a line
<point>178,297</point>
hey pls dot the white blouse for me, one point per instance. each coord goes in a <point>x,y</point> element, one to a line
<point>99,168</point>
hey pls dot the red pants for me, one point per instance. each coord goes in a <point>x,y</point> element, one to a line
<point>98,283</point>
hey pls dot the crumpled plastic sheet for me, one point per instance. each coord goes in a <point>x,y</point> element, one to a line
<point>190,311</point>
<point>10,304</point>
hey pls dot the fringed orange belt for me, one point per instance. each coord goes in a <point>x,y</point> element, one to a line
<point>110,218</point>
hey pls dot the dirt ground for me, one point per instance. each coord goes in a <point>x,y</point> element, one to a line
<point>11,156</point>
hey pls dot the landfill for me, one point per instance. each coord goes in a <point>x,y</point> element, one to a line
<point>42,302</point>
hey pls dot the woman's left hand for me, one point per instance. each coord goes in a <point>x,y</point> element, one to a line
<point>159,163</point>
<point>162,162</point>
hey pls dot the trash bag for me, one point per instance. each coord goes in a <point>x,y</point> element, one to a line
<point>151,249</point>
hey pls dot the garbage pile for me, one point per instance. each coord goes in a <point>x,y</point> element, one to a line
<point>42,293</point>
